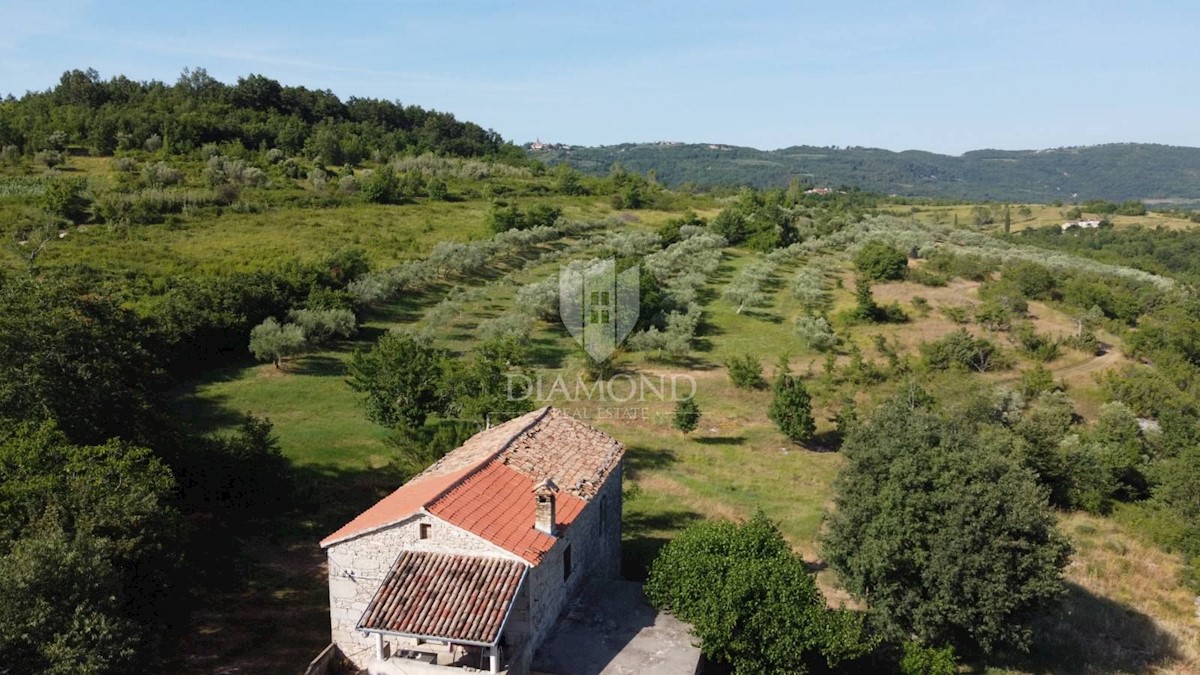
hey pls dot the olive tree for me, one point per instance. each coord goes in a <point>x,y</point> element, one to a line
<point>272,341</point>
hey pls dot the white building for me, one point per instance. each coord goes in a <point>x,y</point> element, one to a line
<point>1084,224</point>
<point>470,563</point>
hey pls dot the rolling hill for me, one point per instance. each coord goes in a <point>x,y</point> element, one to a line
<point>1115,171</point>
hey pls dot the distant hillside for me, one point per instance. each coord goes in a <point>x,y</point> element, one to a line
<point>84,113</point>
<point>1115,172</point>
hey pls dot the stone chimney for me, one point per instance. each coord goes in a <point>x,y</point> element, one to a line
<point>543,510</point>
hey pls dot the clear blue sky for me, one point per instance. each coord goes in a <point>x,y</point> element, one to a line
<point>896,75</point>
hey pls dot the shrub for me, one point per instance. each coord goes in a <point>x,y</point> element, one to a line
<point>921,660</point>
<point>927,277</point>
<point>960,350</point>
<point>752,603</point>
<point>687,415</point>
<point>124,164</point>
<point>959,314</point>
<point>274,156</point>
<point>161,175</point>
<point>745,371</point>
<point>1037,380</point>
<point>10,155</point>
<point>878,261</point>
<point>791,408</point>
<point>51,158</point>
<point>66,197</point>
<point>865,309</point>
<point>1039,346</point>
<point>993,316</point>
<point>153,143</point>
<point>920,304</point>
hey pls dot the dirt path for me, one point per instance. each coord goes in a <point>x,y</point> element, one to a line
<point>1107,360</point>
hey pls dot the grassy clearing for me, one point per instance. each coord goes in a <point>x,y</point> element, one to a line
<point>1125,612</point>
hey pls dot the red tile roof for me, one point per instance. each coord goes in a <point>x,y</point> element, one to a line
<point>458,598</point>
<point>497,503</point>
<point>484,485</point>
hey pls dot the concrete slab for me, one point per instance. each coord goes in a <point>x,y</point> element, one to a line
<point>611,629</point>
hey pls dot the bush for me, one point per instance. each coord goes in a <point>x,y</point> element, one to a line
<point>160,175</point>
<point>124,164</point>
<point>153,143</point>
<point>1037,345</point>
<point>1037,380</point>
<point>745,371</point>
<point>921,660</point>
<point>878,261</point>
<point>865,309</point>
<point>50,158</point>
<point>752,603</point>
<point>959,314</point>
<point>961,351</point>
<point>687,415</point>
<point>791,408</point>
<point>66,197</point>
<point>10,155</point>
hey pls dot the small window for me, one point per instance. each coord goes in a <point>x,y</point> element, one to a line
<point>425,530</point>
<point>566,563</point>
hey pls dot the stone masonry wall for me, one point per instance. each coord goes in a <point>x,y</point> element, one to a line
<point>357,568</point>
<point>595,541</point>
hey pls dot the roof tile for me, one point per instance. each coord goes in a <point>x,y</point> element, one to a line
<point>450,597</point>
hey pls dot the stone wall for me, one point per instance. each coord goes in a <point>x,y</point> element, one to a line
<point>357,567</point>
<point>595,542</point>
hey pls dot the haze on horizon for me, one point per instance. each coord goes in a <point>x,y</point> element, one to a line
<point>979,74</point>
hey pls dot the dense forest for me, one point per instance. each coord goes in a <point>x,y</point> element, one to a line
<point>1116,172</point>
<point>101,116</point>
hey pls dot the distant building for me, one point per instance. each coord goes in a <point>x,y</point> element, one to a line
<point>470,563</point>
<point>818,191</point>
<point>1083,224</point>
<point>537,145</point>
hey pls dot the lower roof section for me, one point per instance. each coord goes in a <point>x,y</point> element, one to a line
<point>442,596</point>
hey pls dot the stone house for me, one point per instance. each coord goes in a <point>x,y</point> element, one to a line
<point>470,563</point>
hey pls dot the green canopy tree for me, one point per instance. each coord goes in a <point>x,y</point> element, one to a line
<point>272,341</point>
<point>944,535</point>
<point>401,380</point>
<point>751,601</point>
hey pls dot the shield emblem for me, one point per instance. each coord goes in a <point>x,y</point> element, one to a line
<point>598,305</point>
